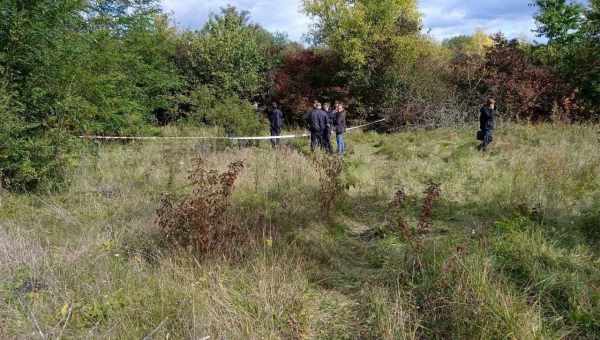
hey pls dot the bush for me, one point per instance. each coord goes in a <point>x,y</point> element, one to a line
<point>330,170</point>
<point>31,156</point>
<point>236,115</point>
<point>199,222</point>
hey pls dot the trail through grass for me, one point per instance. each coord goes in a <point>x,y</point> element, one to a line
<point>513,251</point>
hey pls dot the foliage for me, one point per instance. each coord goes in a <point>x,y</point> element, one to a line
<point>305,75</point>
<point>573,46</point>
<point>236,116</point>
<point>377,42</point>
<point>28,162</point>
<point>230,54</point>
<point>77,67</point>
<point>476,44</point>
<point>524,89</point>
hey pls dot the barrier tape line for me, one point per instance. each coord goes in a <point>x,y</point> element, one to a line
<point>217,138</point>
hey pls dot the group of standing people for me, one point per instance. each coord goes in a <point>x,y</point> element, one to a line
<point>321,121</point>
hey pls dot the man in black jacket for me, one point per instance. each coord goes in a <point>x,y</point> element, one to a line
<point>331,122</point>
<point>317,122</point>
<point>276,122</point>
<point>487,123</point>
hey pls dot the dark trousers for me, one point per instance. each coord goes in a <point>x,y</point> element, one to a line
<point>315,140</point>
<point>326,140</point>
<point>275,132</point>
<point>487,139</point>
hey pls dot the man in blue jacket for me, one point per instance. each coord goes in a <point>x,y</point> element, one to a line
<point>276,122</point>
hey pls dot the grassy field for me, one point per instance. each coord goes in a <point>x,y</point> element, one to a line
<point>512,253</point>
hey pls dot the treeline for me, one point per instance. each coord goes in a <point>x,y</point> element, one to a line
<point>70,67</point>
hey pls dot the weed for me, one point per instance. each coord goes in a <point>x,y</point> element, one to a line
<point>330,170</point>
<point>200,221</point>
<point>431,195</point>
<point>414,235</point>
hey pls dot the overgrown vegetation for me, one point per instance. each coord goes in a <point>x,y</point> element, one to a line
<point>72,67</point>
<point>506,243</point>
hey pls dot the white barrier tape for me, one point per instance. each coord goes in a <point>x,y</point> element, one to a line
<point>217,138</point>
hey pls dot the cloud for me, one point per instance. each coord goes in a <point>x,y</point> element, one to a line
<point>514,18</point>
<point>276,16</point>
<point>442,18</point>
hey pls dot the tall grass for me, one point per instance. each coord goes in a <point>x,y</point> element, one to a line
<point>510,248</point>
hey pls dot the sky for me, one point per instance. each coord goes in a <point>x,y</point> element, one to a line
<point>441,18</point>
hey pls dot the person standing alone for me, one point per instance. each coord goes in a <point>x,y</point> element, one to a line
<point>340,127</point>
<point>487,123</point>
<point>276,122</point>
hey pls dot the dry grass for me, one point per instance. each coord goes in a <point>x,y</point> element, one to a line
<point>506,253</point>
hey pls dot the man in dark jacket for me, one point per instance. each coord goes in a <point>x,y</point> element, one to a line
<point>317,122</point>
<point>340,127</point>
<point>331,122</point>
<point>276,122</point>
<point>487,123</point>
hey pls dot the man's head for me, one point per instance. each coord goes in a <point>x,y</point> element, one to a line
<point>326,106</point>
<point>274,105</point>
<point>491,103</point>
<point>317,105</point>
<point>339,106</point>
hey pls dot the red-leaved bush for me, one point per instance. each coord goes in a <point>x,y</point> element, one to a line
<point>525,89</point>
<point>306,75</point>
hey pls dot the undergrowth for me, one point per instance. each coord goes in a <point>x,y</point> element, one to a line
<point>509,250</point>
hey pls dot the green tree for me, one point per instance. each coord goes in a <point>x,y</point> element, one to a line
<point>387,62</point>
<point>229,54</point>
<point>74,66</point>
<point>573,46</point>
<point>476,44</point>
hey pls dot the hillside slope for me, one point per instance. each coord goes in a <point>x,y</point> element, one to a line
<point>511,252</point>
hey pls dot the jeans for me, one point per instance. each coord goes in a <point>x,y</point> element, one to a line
<point>341,144</point>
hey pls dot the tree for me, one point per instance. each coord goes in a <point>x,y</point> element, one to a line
<point>229,54</point>
<point>304,75</point>
<point>375,39</point>
<point>476,44</point>
<point>573,47</point>
<point>525,90</point>
<point>72,67</point>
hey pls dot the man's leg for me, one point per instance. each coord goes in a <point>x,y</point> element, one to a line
<point>275,132</point>
<point>341,145</point>
<point>326,137</point>
<point>314,140</point>
<point>487,139</point>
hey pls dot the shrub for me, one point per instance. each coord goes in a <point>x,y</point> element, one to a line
<point>525,89</point>
<point>237,116</point>
<point>200,222</point>
<point>31,157</point>
<point>330,170</point>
